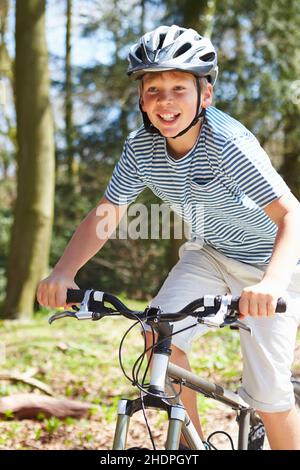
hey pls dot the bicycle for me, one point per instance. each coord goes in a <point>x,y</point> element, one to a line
<point>216,311</point>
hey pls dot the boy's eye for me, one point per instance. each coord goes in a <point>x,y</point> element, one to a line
<point>152,89</point>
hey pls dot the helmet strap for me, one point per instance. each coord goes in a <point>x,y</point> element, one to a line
<point>147,123</point>
<point>200,113</point>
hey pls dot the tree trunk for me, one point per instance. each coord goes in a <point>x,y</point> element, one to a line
<point>31,231</point>
<point>195,14</point>
<point>68,96</point>
<point>199,15</point>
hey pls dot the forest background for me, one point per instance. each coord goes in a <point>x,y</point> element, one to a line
<point>66,107</point>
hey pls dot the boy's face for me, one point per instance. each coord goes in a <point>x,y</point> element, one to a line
<point>170,100</point>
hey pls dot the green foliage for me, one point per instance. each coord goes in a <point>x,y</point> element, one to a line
<point>51,424</point>
<point>9,414</point>
<point>38,434</point>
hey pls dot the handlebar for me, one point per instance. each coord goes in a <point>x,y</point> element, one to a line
<point>217,311</point>
<point>212,310</point>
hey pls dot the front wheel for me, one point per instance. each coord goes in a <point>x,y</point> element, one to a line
<point>256,436</point>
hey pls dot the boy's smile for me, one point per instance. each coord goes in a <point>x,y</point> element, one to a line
<point>169,117</point>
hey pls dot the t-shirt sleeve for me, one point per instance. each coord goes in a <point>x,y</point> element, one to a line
<point>247,163</point>
<point>125,184</point>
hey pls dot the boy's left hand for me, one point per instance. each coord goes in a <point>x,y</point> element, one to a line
<point>260,299</point>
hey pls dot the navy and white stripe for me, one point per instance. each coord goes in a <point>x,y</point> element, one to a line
<point>220,187</point>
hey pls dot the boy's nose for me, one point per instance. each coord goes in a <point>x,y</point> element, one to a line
<point>165,97</point>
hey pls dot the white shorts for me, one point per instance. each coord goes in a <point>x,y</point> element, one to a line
<point>268,353</point>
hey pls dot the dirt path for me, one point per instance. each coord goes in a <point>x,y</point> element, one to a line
<point>95,433</point>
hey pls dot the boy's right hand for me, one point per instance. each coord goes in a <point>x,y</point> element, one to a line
<point>52,291</point>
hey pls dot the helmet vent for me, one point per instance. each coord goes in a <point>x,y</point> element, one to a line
<point>208,57</point>
<point>161,40</point>
<point>178,33</point>
<point>138,53</point>
<point>182,50</point>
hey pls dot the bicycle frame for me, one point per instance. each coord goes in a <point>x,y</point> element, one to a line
<point>218,393</point>
<point>179,420</point>
<point>177,374</point>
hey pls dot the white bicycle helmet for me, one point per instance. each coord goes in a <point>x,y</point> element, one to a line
<point>173,48</point>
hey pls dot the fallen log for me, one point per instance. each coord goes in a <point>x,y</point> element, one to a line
<point>30,405</point>
<point>27,379</point>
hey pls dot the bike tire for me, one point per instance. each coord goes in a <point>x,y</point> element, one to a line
<point>256,437</point>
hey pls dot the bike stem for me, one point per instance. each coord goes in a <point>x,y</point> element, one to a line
<point>160,361</point>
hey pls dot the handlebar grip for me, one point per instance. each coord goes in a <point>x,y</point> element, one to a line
<point>280,307</point>
<point>75,296</point>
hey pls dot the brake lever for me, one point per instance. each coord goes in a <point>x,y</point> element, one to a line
<point>218,319</point>
<point>59,315</point>
<point>226,316</point>
<point>82,313</point>
<point>231,318</point>
<point>238,324</point>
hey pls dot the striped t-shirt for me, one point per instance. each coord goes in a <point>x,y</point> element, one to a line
<point>220,187</point>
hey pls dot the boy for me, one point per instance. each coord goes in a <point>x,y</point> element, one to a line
<point>245,240</point>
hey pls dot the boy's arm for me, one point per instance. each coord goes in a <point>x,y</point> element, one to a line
<point>88,239</point>
<point>285,213</point>
<point>260,299</point>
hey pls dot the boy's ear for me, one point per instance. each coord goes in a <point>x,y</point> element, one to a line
<point>206,99</point>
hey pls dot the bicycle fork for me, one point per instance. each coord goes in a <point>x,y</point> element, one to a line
<point>127,408</point>
<point>155,399</point>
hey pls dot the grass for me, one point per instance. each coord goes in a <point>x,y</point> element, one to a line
<point>80,360</point>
